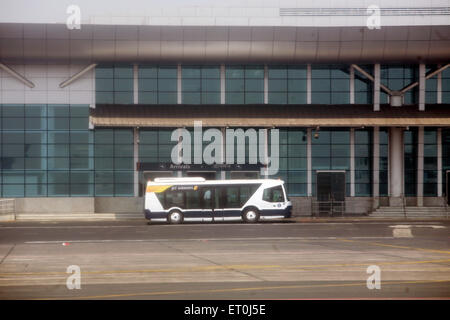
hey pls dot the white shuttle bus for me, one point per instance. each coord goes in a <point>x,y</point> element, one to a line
<point>195,199</point>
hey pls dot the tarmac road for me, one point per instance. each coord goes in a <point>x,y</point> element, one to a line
<point>133,260</point>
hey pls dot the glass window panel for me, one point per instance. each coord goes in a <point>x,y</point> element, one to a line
<point>234,98</point>
<point>211,98</point>
<point>296,85</point>
<point>320,72</point>
<point>254,97</point>
<point>297,97</point>
<point>58,150</point>
<point>104,72</point>
<point>35,150</point>
<point>58,190</point>
<point>123,189</point>
<point>123,164</point>
<point>321,163</point>
<point>342,137</point>
<point>82,177</point>
<point>58,163</point>
<point>211,85</point>
<point>147,72</point>
<point>13,137</point>
<point>234,85</point>
<point>298,177</point>
<point>340,97</point>
<point>123,71</point>
<point>340,150</point>
<point>277,97</point>
<point>191,85</point>
<point>35,177</point>
<point>104,189</point>
<point>297,137</point>
<point>79,123</point>
<point>35,110</point>
<point>148,84</point>
<point>277,85</point>
<point>35,124</point>
<point>35,137</point>
<point>254,85</point>
<point>277,72</point>
<point>58,110</point>
<point>254,72</point>
<point>13,110</point>
<point>210,72</point>
<point>323,137</point>
<point>124,150</point>
<point>362,150</point>
<point>36,190</point>
<point>13,123</point>
<point>297,163</point>
<point>122,85</point>
<point>13,177</point>
<point>104,84</point>
<point>124,177</point>
<point>234,72</point>
<point>296,72</point>
<point>340,85</point>
<point>167,72</point>
<point>81,190</point>
<point>167,98</point>
<point>58,123</point>
<point>13,190</point>
<point>58,176</point>
<point>340,73</point>
<point>81,137</point>
<point>148,98</point>
<point>123,136</point>
<point>123,97</point>
<point>362,137</point>
<point>320,98</point>
<point>104,150</point>
<point>340,163</point>
<point>104,163</point>
<point>81,163</point>
<point>191,98</point>
<point>321,85</point>
<point>104,97</point>
<point>13,150</point>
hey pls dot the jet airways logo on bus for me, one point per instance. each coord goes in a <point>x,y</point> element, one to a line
<point>213,153</point>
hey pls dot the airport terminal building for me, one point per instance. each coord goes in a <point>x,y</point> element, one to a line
<point>363,113</point>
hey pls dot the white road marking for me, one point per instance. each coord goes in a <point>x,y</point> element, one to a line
<point>199,239</point>
<point>417,226</point>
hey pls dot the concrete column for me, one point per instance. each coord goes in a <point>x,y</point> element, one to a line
<point>222,84</point>
<point>179,83</point>
<point>439,86</point>
<point>308,84</point>
<point>420,148</point>
<point>135,160</point>
<point>266,84</point>
<point>376,87</point>
<point>352,162</point>
<point>422,87</point>
<point>439,162</point>
<point>309,162</point>
<point>376,167</point>
<point>352,85</point>
<point>396,166</point>
<point>135,84</point>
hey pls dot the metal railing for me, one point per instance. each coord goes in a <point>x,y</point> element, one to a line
<point>7,206</point>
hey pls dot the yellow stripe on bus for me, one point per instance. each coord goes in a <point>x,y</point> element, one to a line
<point>157,189</point>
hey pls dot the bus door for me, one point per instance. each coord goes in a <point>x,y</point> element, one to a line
<point>208,199</point>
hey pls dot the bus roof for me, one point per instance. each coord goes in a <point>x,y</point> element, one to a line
<point>192,180</point>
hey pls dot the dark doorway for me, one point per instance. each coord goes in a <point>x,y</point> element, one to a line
<point>331,191</point>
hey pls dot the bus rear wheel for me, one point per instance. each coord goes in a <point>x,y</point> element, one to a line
<point>250,215</point>
<point>175,217</point>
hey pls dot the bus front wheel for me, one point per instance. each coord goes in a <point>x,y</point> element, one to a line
<point>175,217</point>
<point>251,215</point>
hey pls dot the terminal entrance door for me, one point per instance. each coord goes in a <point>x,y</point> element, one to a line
<point>330,191</point>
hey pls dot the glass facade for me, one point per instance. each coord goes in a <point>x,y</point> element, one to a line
<point>446,86</point>
<point>244,84</point>
<point>363,162</point>
<point>114,84</point>
<point>114,163</point>
<point>363,86</point>
<point>396,77</point>
<point>47,150</point>
<point>293,160</point>
<point>330,84</point>
<point>287,84</point>
<point>157,84</point>
<point>330,149</point>
<point>200,84</point>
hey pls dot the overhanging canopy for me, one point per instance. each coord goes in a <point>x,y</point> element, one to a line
<point>267,115</point>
